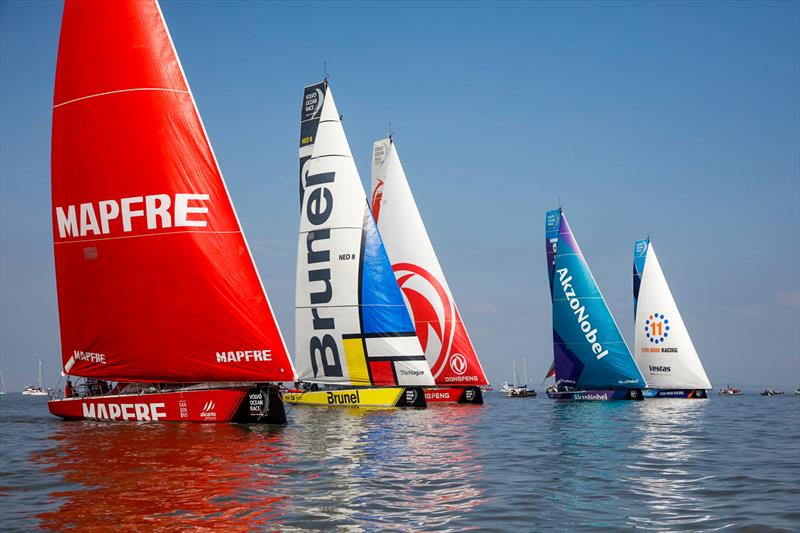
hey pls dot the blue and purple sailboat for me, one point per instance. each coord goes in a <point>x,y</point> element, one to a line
<point>591,359</point>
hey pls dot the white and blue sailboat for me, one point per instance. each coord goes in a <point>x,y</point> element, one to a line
<point>663,348</point>
<point>355,342</point>
<point>591,359</point>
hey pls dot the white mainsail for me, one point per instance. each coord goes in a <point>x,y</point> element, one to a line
<point>352,326</point>
<point>664,351</point>
<point>444,338</point>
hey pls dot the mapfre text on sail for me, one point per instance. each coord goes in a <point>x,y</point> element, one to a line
<point>135,213</point>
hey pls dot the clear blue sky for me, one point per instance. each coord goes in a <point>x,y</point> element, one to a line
<point>681,119</point>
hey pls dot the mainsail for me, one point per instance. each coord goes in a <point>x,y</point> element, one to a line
<point>155,278</point>
<point>663,348</point>
<point>589,351</point>
<point>351,323</point>
<point>441,331</point>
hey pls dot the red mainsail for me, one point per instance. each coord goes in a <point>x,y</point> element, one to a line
<point>155,279</point>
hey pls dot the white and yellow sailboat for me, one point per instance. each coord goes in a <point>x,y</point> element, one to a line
<point>355,343</point>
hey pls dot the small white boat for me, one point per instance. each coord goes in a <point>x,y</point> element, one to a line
<point>38,389</point>
<point>772,392</point>
<point>731,391</point>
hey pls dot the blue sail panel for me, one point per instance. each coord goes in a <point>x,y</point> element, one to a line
<point>383,309</point>
<point>551,225</point>
<point>589,350</point>
<point>639,255</point>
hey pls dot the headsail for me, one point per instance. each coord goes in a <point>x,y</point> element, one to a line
<point>438,323</point>
<point>155,279</point>
<point>352,326</point>
<point>664,350</point>
<point>589,350</point>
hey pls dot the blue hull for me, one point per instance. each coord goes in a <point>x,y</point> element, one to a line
<point>699,394</point>
<point>604,395</point>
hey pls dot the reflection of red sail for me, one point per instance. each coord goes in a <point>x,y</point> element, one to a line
<point>155,279</point>
<point>170,483</point>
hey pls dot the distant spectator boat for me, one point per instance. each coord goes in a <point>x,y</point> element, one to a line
<point>730,391</point>
<point>518,391</point>
<point>772,392</point>
<point>36,390</point>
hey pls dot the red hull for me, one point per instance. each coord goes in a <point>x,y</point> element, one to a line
<point>235,404</point>
<point>454,395</point>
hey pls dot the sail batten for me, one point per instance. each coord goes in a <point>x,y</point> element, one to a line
<point>131,159</point>
<point>437,321</point>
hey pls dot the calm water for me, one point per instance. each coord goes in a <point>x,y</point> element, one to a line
<point>527,464</point>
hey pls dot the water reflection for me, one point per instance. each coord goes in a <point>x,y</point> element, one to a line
<point>163,476</point>
<point>630,460</point>
<point>671,444</point>
<point>331,468</point>
<point>406,469</point>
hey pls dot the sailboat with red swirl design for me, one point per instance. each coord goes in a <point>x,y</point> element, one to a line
<point>157,289</point>
<point>448,349</point>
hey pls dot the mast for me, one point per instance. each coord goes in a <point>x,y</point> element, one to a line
<point>515,372</point>
<point>352,327</point>
<point>438,323</point>
<point>155,278</point>
<point>40,375</point>
<point>525,370</point>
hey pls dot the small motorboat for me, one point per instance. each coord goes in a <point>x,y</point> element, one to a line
<point>731,391</point>
<point>772,392</point>
<point>797,391</point>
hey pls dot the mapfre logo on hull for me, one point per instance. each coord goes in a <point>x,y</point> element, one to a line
<point>132,214</point>
<point>142,412</point>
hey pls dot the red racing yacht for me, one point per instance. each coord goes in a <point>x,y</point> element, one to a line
<point>157,289</point>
